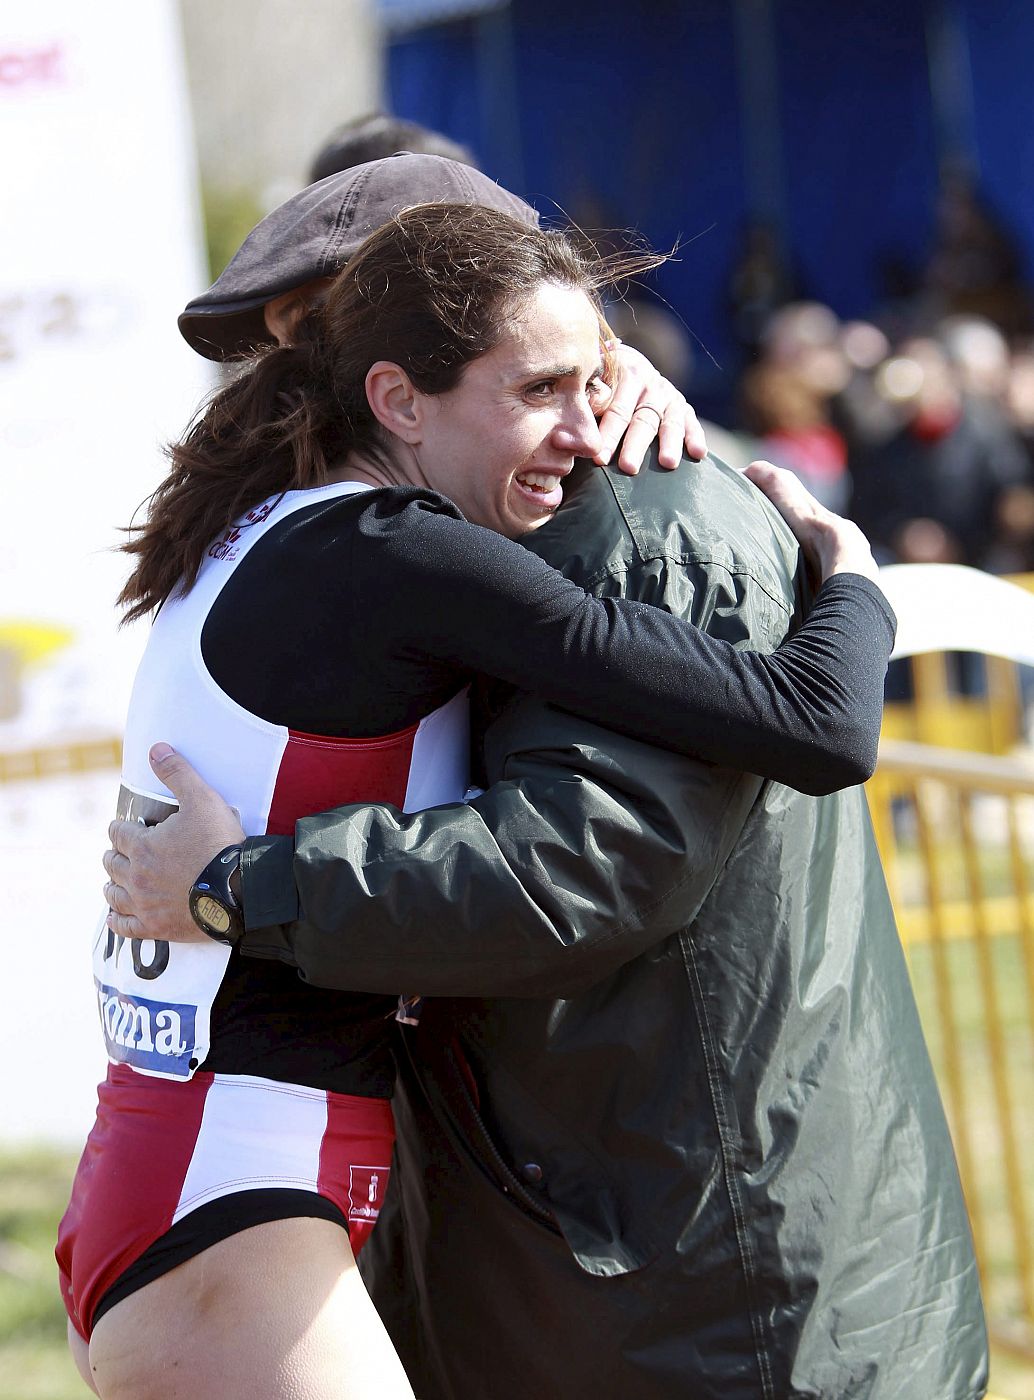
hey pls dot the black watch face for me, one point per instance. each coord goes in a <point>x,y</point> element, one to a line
<point>212,914</point>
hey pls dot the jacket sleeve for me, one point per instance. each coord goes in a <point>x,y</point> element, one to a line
<point>589,849</point>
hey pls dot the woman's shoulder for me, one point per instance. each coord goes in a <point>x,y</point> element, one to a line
<point>418,529</point>
<point>388,509</point>
<point>324,520</point>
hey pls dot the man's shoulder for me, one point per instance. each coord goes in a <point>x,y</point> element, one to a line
<point>704,516</point>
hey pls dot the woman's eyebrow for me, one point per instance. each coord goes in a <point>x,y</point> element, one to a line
<point>551,372</point>
<point>564,372</point>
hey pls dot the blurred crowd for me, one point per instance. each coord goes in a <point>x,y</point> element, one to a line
<point>918,423</point>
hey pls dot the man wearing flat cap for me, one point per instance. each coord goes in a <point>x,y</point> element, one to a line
<point>667,1125</point>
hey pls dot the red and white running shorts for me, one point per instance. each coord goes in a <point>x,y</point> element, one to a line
<point>171,1167</point>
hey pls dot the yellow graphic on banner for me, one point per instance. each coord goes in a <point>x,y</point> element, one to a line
<point>33,642</point>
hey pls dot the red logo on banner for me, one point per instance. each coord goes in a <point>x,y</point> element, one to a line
<point>42,66</point>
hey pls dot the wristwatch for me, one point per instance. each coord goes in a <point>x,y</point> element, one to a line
<point>213,905</point>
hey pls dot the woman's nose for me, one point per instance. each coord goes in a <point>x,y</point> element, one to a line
<point>578,432</point>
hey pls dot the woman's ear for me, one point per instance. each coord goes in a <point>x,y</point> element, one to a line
<point>395,402</point>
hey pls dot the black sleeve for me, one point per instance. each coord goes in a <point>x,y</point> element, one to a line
<point>807,715</point>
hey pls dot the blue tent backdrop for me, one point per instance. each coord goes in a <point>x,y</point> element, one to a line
<point>684,120</point>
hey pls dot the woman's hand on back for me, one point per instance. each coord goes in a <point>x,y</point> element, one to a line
<point>831,544</point>
<point>643,405</point>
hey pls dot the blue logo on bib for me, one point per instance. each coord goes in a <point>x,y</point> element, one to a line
<point>147,1035</point>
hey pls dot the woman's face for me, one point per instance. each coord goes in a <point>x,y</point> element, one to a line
<point>500,443</point>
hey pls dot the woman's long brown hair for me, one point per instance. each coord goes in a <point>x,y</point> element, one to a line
<point>430,291</point>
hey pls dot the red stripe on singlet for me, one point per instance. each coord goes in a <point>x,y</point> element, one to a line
<point>317,773</point>
<point>355,1160</point>
<point>129,1181</point>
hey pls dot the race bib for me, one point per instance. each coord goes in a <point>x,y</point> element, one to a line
<point>155,998</point>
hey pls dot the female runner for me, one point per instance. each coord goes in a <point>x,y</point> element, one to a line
<point>333,561</point>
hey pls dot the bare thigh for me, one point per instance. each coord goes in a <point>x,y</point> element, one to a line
<point>277,1312</point>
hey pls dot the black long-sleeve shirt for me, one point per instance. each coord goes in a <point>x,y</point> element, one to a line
<point>361,615</point>
<point>364,613</point>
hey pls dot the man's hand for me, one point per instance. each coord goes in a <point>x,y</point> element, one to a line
<point>151,868</point>
<point>643,405</point>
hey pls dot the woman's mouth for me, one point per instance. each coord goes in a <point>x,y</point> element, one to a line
<point>541,488</point>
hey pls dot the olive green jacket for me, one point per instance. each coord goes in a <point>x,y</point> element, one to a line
<point>668,1128</point>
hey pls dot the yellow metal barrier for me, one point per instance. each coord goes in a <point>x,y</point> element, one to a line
<point>53,760</point>
<point>938,714</point>
<point>956,833</point>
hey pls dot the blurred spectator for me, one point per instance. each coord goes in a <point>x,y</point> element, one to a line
<point>791,421</point>
<point>376,136</point>
<point>899,294</point>
<point>998,390</point>
<point>786,399</point>
<point>1014,547</point>
<point>1019,397</point>
<point>859,411</point>
<point>805,337</point>
<point>760,283</point>
<point>932,492</point>
<point>1013,551</point>
<point>975,267</point>
<point>657,333</point>
<point>979,354</point>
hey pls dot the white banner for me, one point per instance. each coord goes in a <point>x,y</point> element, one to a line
<point>101,248</point>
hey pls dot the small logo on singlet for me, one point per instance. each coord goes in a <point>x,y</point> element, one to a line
<point>147,1035</point>
<point>226,546</point>
<point>366,1191</point>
